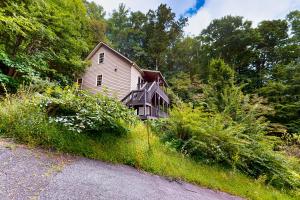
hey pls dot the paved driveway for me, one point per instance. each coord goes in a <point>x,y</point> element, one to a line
<point>37,174</point>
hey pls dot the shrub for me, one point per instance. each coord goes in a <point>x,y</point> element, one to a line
<point>72,109</point>
<point>216,138</point>
<point>23,120</point>
<point>80,111</point>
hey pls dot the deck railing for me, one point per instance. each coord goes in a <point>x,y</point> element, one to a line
<point>156,112</point>
<point>145,95</point>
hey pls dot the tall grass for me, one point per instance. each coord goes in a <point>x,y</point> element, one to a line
<point>27,123</point>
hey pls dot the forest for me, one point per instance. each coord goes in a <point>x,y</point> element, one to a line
<point>234,88</point>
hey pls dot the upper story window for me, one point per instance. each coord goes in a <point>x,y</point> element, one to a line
<point>99,80</point>
<point>79,82</point>
<point>101,58</point>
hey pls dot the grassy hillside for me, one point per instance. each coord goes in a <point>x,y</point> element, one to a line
<point>20,119</point>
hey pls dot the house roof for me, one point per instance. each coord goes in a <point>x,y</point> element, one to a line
<point>98,46</point>
<point>152,74</point>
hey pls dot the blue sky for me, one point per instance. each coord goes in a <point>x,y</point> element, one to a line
<point>193,10</point>
<point>202,12</point>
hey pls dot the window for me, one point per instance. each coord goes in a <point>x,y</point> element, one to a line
<point>79,82</point>
<point>139,82</point>
<point>99,80</point>
<point>101,58</point>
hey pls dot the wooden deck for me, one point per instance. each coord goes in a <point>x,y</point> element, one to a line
<point>152,98</point>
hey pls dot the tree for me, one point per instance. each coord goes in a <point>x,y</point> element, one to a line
<point>220,80</point>
<point>294,23</point>
<point>188,61</point>
<point>147,39</point>
<point>42,38</point>
<point>283,93</point>
<point>96,24</point>
<point>94,11</point>
<point>118,26</point>
<point>223,95</point>
<point>190,90</point>
<point>162,31</point>
<point>231,39</point>
<point>273,35</point>
<point>136,38</point>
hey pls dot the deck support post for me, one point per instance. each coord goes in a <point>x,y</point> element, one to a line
<point>158,105</point>
<point>145,93</point>
<point>155,104</point>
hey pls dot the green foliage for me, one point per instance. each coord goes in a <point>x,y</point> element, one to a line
<point>294,22</point>
<point>220,75</point>
<point>94,10</point>
<point>216,138</point>
<point>283,93</point>
<point>22,119</point>
<point>232,39</point>
<point>163,30</point>
<point>187,89</point>
<point>189,60</point>
<point>80,111</point>
<point>96,24</point>
<point>222,95</point>
<point>229,130</point>
<point>145,38</point>
<point>71,109</point>
<point>42,38</point>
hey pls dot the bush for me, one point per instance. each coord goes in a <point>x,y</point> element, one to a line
<point>28,113</point>
<point>80,111</point>
<point>23,120</point>
<point>216,138</point>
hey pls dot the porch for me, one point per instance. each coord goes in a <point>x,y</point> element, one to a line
<point>150,102</point>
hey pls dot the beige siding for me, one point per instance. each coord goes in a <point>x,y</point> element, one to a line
<point>135,74</point>
<point>115,83</point>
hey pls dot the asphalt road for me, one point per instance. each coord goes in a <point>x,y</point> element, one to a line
<point>37,174</point>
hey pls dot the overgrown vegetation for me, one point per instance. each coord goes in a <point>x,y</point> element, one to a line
<point>217,139</point>
<point>228,130</point>
<point>79,111</point>
<point>50,39</point>
<point>70,109</point>
<point>234,92</point>
<point>24,118</point>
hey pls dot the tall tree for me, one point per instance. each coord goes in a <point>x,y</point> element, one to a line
<point>273,35</point>
<point>118,26</point>
<point>283,92</point>
<point>42,37</point>
<point>162,31</point>
<point>294,22</point>
<point>136,37</point>
<point>96,24</point>
<point>147,39</point>
<point>185,56</point>
<point>231,39</point>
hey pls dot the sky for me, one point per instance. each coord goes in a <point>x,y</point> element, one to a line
<point>201,12</point>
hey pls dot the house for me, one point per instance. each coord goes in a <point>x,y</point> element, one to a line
<point>117,76</point>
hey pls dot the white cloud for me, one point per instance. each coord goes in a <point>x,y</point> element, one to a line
<point>178,6</point>
<point>254,10</point>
